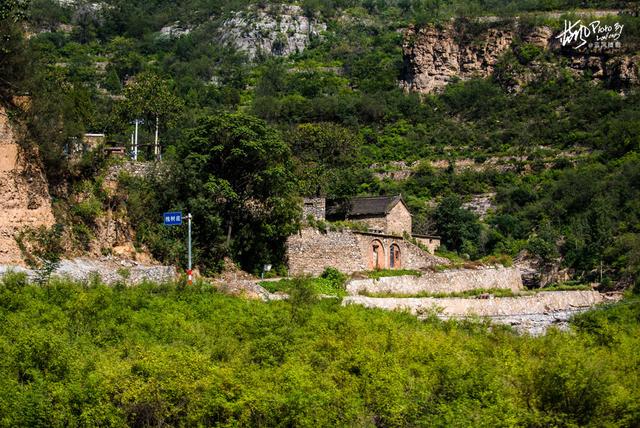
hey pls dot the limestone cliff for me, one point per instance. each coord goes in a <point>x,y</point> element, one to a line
<point>24,194</point>
<point>436,55</point>
<point>277,30</point>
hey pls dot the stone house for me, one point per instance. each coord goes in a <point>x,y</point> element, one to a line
<point>385,244</point>
<point>381,214</point>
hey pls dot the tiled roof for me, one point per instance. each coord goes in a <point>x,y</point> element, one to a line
<point>362,206</point>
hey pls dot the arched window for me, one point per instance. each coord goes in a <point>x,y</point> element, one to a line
<point>394,257</point>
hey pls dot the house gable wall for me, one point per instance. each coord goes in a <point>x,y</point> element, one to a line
<point>398,220</point>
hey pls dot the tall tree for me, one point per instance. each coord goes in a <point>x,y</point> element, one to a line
<point>149,97</point>
<point>12,58</point>
<point>240,187</point>
<point>323,152</point>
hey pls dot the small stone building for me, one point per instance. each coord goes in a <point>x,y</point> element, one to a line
<point>383,246</point>
<point>381,214</point>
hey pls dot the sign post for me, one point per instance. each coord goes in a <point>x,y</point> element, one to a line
<point>174,218</point>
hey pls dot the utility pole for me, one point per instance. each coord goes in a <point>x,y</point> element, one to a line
<point>135,144</point>
<point>189,272</point>
<point>156,147</point>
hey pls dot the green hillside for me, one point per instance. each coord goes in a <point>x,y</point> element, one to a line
<point>330,119</point>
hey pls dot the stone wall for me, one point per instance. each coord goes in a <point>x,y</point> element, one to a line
<point>134,169</point>
<point>315,207</point>
<point>109,270</point>
<point>453,307</point>
<point>24,192</point>
<point>448,281</point>
<point>311,251</point>
<point>430,242</point>
<point>374,224</point>
<point>398,220</point>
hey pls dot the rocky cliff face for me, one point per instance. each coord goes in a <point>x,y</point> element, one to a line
<point>24,194</point>
<point>437,55</point>
<point>278,30</point>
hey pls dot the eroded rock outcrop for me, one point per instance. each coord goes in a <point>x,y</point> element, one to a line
<point>24,194</point>
<point>277,30</point>
<point>538,273</point>
<point>437,55</point>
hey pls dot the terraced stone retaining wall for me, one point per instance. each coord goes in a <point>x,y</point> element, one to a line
<point>448,281</point>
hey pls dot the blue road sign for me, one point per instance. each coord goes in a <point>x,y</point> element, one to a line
<point>173,218</point>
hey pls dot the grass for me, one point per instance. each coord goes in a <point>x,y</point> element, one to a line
<point>392,272</point>
<point>331,282</point>
<point>566,287</point>
<point>497,292</point>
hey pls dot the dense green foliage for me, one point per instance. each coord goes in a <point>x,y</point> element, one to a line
<point>235,177</point>
<point>76,355</point>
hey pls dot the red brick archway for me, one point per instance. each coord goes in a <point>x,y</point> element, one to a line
<point>395,262</point>
<point>376,255</point>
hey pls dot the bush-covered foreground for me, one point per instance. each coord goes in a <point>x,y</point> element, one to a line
<point>159,355</point>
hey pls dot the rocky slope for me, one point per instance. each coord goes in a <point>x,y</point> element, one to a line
<point>24,194</point>
<point>278,30</point>
<point>436,55</point>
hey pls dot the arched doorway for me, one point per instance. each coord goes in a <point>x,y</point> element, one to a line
<point>395,262</point>
<point>376,258</point>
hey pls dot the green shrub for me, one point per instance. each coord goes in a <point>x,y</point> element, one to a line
<point>164,354</point>
<point>14,280</point>
<point>527,52</point>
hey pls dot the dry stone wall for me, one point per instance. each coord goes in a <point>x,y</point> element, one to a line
<point>310,251</point>
<point>429,242</point>
<point>24,194</point>
<point>109,271</point>
<point>314,207</point>
<point>448,281</point>
<point>453,307</point>
<point>378,224</point>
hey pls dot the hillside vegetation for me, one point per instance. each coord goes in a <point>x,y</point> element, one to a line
<point>315,122</point>
<point>92,355</point>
